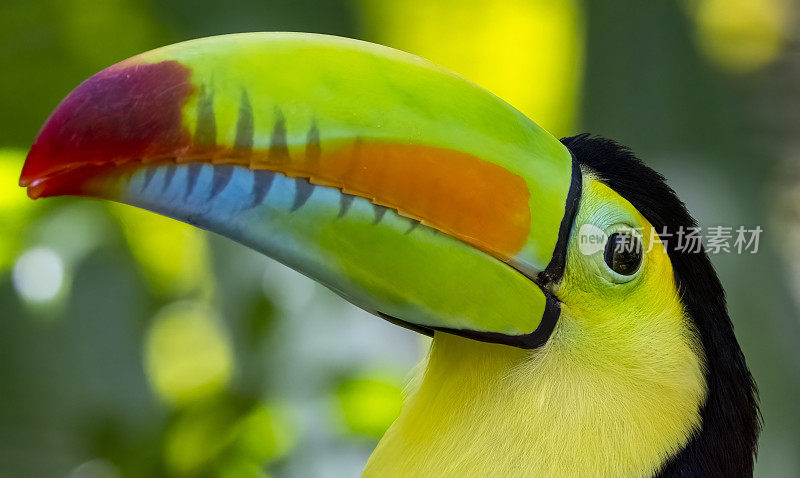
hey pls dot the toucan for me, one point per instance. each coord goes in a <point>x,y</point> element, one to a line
<point>571,337</point>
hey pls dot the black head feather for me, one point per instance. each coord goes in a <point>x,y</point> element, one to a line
<point>726,444</point>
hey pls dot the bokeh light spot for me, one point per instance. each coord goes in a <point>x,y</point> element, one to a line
<point>741,35</point>
<point>266,433</point>
<point>38,275</point>
<point>187,355</point>
<point>369,403</point>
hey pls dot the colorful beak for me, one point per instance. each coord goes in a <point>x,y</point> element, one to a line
<point>411,192</point>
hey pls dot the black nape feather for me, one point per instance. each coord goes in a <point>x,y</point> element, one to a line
<point>726,444</point>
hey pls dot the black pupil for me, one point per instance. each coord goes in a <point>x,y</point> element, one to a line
<point>623,253</point>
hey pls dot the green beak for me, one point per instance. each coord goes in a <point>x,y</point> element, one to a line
<point>409,191</point>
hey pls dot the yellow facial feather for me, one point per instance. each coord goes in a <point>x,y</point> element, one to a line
<point>615,392</point>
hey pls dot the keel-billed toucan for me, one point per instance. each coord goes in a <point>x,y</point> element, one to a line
<point>428,201</point>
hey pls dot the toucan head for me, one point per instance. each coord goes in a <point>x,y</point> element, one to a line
<point>413,194</point>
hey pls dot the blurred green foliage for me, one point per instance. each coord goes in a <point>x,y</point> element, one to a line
<point>132,345</point>
<point>369,402</point>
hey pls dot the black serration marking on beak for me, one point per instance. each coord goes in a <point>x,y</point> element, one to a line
<point>245,129</point>
<point>262,182</point>
<point>414,224</point>
<point>313,149</point>
<point>222,176</point>
<point>380,211</point>
<point>168,176</point>
<point>303,191</point>
<point>191,177</point>
<point>278,149</point>
<point>345,201</point>
<point>149,172</point>
<point>205,133</point>
<point>555,269</point>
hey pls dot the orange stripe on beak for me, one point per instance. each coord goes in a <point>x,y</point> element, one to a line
<point>474,200</point>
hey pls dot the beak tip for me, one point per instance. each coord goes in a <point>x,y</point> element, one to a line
<point>32,182</point>
<point>34,192</point>
<point>26,178</point>
<point>34,169</point>
<point>92,125</point>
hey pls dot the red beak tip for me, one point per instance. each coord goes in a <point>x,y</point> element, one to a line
<point>34,192</point>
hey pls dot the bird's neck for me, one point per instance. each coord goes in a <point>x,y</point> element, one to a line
<point>487,410</point>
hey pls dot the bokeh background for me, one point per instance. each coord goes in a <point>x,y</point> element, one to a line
<point>131,345</point>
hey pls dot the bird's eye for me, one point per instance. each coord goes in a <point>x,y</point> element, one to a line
<point>623,253</point>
